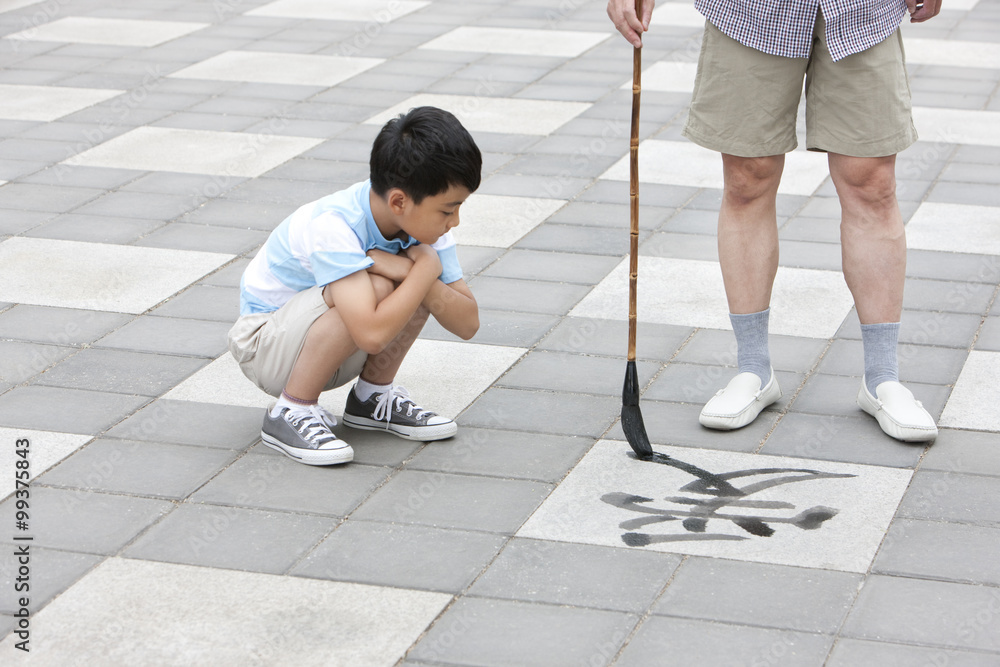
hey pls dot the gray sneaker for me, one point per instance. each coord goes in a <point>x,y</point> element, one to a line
<point>304,435</point>
<point>395,411</point>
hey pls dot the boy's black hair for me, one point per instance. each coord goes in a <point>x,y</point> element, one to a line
<point>423,152</point>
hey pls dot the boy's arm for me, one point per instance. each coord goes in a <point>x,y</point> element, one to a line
<point>374,324</point>
<point>454,307</point>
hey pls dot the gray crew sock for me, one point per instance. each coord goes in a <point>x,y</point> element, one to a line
<point>881,365</point>
<point>752,353</point>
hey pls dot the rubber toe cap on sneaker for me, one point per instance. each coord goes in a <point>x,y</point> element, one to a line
<point>898,413</point>
<point>740,402</point>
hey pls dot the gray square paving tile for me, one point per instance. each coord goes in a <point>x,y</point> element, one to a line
<point>576,575</point>
<point>693,383</point>
<point>61,570</point>
<point>203,302</point>
<point>788,353</point>
<point>677,642</point>
<point>20,360</point>
<point>526,295</point>
<point>120,372</point>
<point>491,633</point>
<point>964,451</point>
<point>231,538</point>
<point>832,438</point>
<point>853,652</point>
<point>454,501</point>
<point>947,496</point>
<point>405,556</point>
<point>837,394</point>
<point>803,228</point>
<point>553,266</point>
<point>279,483</point>
<point>207,238</point>
<point>937,550</point>
<point>917,363</point>
<point>509,454</point>
<point>170,335</point>
<point>65,410</point>
<point>577,238</point>
<point>61,326</point>
<point>543,412</point>
<point>498,327</point>
<point>930,613</point>
<point>263,216</point>
<point>227,276</point>
<point>677,424</point>
<point>196,186</point>
<point>189,423</point>
<point>610,338</point>
<point>139,468</point>
<point>776,596</point>
<point>562,372</point>
<point>476,258</point>
<point>958,267</point>
<point>94,228</point>
<point>682,246</point>
<point>948,296</point>
<point>18,222</point>
<point>89,522</point>
<point>989,335</point>
<point>612,215</point>
<point>49,198</point>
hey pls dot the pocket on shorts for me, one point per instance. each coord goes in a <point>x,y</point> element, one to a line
<point>244,336</point>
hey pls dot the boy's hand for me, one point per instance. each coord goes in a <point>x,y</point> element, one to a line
<point>392,266</point>
<point>425,255</point>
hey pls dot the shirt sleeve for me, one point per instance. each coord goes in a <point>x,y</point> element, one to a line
<point>447,252</point>
<point>335,251</point>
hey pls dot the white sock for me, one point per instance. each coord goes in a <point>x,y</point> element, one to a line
<point>286,401</point>
<point>364,389</point>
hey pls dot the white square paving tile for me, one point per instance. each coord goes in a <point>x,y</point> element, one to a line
<point>667,77</point>
<point>499,221</point>
<point>45,449</point>
<point>443,376</point>
<point>975,401</point>
<point>758,508</point>
<point>685,163</point>
<point>117,32</point>
<point>194,151</point>
<point>681,14</point>
<point>284,68</point>
<point>380,11</point>
<point>805,302</point>
<point>957,126</point>
<point>45,103</point>
<point>959,5</point>
<point>951,53</point>
<point>97,276</point>
<point>133,612</point>
<point>494,114</point>
<point>518,41</point>
<point>955,228</point>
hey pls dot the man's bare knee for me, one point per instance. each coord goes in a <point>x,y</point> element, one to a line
<point>750,178</point>
<point>871,182</point>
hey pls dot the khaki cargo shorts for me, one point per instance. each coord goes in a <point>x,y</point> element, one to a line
<point>266,345</point>
<point>745,102</point>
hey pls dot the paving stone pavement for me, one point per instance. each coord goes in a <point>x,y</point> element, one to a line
<point>147,149</point>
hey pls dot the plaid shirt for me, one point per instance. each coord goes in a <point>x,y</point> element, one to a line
<point>785,27</point>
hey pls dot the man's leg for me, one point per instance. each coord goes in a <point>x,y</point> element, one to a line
<point>748,255</point>
<point>873,246</point>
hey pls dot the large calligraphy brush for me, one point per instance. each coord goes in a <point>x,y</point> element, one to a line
<point>632,424</point>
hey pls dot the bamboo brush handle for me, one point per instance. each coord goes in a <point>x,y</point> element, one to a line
<point>634,194</point>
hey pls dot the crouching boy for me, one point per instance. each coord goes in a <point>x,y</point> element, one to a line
<point>343,286</point>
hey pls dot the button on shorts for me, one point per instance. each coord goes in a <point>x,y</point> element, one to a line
<point>745,102</point>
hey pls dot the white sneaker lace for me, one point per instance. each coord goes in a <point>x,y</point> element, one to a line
<point>401,397</point>
<point>313,423</point>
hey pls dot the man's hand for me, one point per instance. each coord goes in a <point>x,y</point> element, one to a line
<point>622,13</point>
<point>391,266</point>
<point>921,10</point>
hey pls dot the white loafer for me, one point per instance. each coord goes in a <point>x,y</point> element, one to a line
<point>740,402</point>
<point>898,413</point>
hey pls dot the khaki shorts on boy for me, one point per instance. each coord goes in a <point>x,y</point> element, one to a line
<point>266,345</point>
<point>745,101</point>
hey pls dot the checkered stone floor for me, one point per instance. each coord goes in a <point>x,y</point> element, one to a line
<point>146,151</point>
